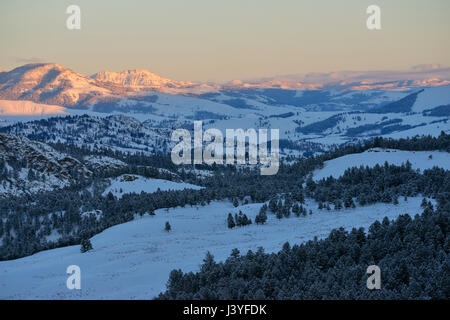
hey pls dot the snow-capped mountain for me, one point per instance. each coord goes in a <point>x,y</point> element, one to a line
<point>53,84</point>
<point>139,79</point>
<point>49,83</point>
<point>29,166</point>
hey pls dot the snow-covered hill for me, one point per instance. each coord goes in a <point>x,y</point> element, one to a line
<point>355,125</point>
<point>133,260</point>
<point>25,107</point>
<point>117,132</point>
<point>431,98</point>
<point>305,131</point>
<point>131,183</point>
<point>420,160</point>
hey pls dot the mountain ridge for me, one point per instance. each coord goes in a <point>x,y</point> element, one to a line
<point>29,166</point>
<point>138,78</point>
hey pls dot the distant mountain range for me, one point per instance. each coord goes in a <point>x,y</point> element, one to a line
<point>136,110</point>
<point>53,84</point>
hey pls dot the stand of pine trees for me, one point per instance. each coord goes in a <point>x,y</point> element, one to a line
<point>412,253</point>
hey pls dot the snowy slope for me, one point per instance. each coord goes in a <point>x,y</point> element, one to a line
<point>133,260</point>
<point>23,107</point>
<point>432,129</point>
<point>432,97</point>
<point>130,183</point>
<point>418,159</point>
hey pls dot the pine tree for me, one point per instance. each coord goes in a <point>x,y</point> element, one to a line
<point>230,221</point>
<point>296,209</point>
<point>279,213</point>
<point>167,227</point>
<point>395,200</point>
<point>300,196</point>
<point>286,210</point>
<point>348,201</point>
<point>424,203</point>
<point>85,245</point>
<point>273,205</point>
<point>31,175</point>
<point>261,217</point>
<point>304,211</point>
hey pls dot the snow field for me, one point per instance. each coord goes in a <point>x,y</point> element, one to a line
<point>133,260</point>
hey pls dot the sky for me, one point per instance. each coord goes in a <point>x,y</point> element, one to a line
<point>213,40</point>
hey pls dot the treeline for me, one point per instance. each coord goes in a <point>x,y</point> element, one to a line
<point>413,255</point>
<point>384,183</point>
<point>422,143</point>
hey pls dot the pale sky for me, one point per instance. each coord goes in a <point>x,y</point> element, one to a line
<point>220,40</point>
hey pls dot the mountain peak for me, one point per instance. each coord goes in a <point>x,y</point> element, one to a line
<point>138,78</point>
<point>48,83</point>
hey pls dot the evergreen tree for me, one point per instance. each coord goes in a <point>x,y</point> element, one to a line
<point>85,245</point>
<point>395,200</point>
<point>230,221</point>
<point>273,205</point>
<point>261,217</point>
<point>424,203</point>
<point>296,209</point>
<point>348,201</point>
<point>279,213</point>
